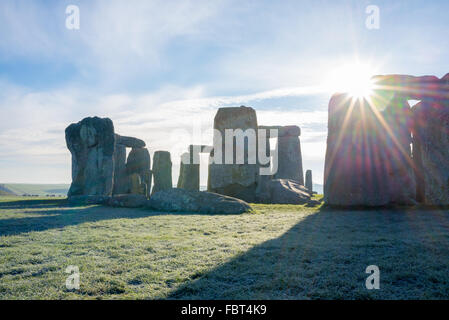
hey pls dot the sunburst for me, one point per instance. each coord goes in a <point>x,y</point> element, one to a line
<point>353,79</point>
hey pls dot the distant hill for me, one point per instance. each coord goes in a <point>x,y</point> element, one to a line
<point>36,189</point>
<point>4,191</point>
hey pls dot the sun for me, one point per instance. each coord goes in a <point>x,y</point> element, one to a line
<point>354,79</point>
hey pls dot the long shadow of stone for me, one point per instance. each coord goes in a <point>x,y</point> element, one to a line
<point>326,254</point>
<point>60,218</point>
<point>43,203</point>
<point>50,214</point>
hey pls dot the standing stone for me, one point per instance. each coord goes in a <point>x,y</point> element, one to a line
<point>430,126</point>
<point>139,162</point>
<point>368,161</point>
<point>162,166</point>
<point>430,141</point>
<point>91,143</point>
<point>233,179</point>
<point>309,183</point>
<point>417,155</point>
<point>431,151</point>
<point>400,183</point>
<point>354,173</point>
<point>120,176</point>
<point>189,175</point>
<point>289,154</point>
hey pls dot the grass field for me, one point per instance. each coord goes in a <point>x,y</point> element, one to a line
<point>279,252</point>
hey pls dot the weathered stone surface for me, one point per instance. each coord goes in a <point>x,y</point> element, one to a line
<point>91,143</point>
<point>430,132</point>
<point>120,176</point>
<point>411,87</point>
<point>84,200</point>
<point>309,183</point>
<point>400,181</point>
<point>263,189</point>
<point>431,151</point>
<point>136,185</point>
<point>129,142</point>
<point>180,200</point>
<point>139,162</point>
<point>288,191</point>
<point>162,167</point>
<point>289,156</point>
<point>350,174</point>
<point>368,159</point>
<point>127,201</point>
<point>289,131</point>
<point>237,180</point>
<point>189,175</point>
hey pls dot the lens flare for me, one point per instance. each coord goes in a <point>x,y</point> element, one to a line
<point>354,79</point>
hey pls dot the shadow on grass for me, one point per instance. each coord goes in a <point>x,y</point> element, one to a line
<point>54,218</point>
<point>52,214</point>
<point>390,208</point>
<point>325,257</point>
<point>41,203</point>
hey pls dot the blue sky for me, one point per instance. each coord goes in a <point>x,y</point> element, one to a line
<point>159,68</point>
